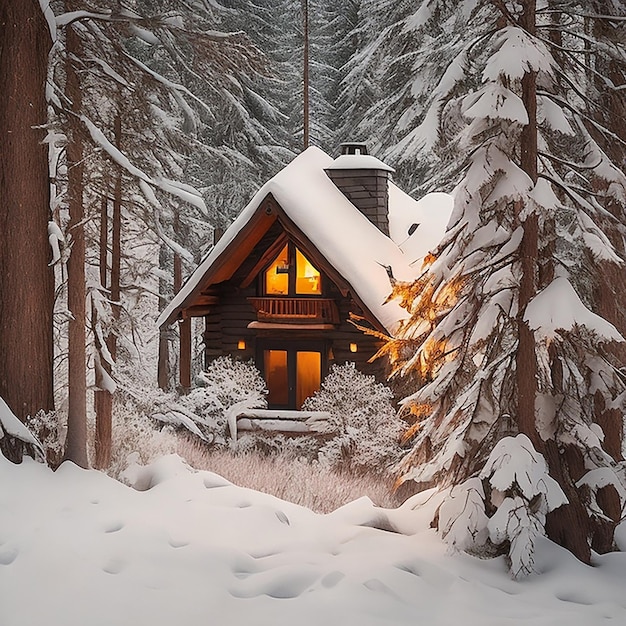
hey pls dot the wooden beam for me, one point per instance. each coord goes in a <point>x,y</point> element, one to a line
<point>185,354</point>
<point>268,256</point>
<point>199,310</point>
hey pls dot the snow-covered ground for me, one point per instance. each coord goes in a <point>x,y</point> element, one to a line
<point>78,548</point>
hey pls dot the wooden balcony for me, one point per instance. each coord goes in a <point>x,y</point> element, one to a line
<point>296,310</point>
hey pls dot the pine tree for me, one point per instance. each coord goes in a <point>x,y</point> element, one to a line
<point>504,338</point>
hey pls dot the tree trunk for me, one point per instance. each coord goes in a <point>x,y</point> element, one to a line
<point>26,281</point>
<point>104,398</point>
<point>569,525</point>
<point>526,359</point>
<point>76,442</point>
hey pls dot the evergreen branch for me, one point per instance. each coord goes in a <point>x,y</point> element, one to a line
<point>572,165</point>
<point>499,4</point>
<point>571,54</point>
<point>570,192</point>
<point>565,104</point>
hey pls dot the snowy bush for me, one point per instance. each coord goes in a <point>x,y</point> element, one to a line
<point>301,447</point>
<point>368,426</point>
<point>47,429</point>
<point>137,438</point>
<point>227,384</point>
<point>516,485</point>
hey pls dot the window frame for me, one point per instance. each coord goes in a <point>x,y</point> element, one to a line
<point>292,250</point>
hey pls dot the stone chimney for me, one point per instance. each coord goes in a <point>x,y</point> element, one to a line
<point>364,180</point>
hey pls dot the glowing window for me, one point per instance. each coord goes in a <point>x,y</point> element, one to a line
<point>291,376</point>
<point>277,276</point>
<point>291,273</point>
<point>307,277</point>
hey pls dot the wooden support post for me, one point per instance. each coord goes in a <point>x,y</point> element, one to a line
<point>185,353</point>
<point>184,333</point>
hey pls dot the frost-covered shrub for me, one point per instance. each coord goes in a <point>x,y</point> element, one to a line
<point>228,384</point>
<point>301,447</point>
<point>137,438</point>
<point>506,505</point>
<point>49,432</point>
<point>369,429</point>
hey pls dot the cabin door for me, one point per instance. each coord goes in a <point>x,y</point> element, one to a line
<point>292,372</point>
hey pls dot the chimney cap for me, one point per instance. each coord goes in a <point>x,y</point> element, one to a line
<point>354,147</point>
<point>354,156</point>
<point>358,162</point>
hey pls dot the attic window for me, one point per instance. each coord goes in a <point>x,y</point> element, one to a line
<point>291,273</point>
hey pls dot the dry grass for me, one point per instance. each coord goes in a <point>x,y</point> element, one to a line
<point>301,482</point>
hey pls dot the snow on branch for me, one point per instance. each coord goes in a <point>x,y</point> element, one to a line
<point>494,101</point>
<point>55,237</point>
<point>515,482</point>
<point>50,19</point>
<point>12,428</point>
<point>73,16</point>
<point>519,54</point>
<point>515,464</point>
<point>462,518</point>
<point>182,192</point>
<point>524,494</point>
<point>558,307</point>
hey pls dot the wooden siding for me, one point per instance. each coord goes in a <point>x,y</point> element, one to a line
<point>227,322</point>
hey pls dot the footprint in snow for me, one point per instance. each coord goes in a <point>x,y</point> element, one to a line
<point>114,566</point>
<point>282,517</point>
<point>213,480</point>
<point>113,527</point>
<point>8,555</point>
<point>282,585</point>
<point>332,579</point>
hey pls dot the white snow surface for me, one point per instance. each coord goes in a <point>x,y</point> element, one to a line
<point>558,307</point>
<point>355,248</point>
<point>77,547</point>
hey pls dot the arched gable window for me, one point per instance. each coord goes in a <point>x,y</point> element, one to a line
<point>292,274</point>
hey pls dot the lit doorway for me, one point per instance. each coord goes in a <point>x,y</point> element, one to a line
<point>292,372</point>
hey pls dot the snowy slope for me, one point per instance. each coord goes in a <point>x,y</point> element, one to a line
<point>78,548</point>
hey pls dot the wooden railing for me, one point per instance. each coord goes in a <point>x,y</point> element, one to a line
<point>300,310</point>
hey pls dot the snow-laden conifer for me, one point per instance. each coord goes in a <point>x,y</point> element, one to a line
<point>509,330</point>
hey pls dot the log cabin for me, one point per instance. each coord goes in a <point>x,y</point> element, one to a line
<point>315,246</point>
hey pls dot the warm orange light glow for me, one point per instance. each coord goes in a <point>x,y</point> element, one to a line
<point>276,377</point>
<point>308,375</point>
<point>353,347</point>
<point>277,276</point>
<point>280,278</point>
<point>241,345</point>
<point>307,277</point>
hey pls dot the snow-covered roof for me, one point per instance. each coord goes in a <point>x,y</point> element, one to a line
<point>355,248</point>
